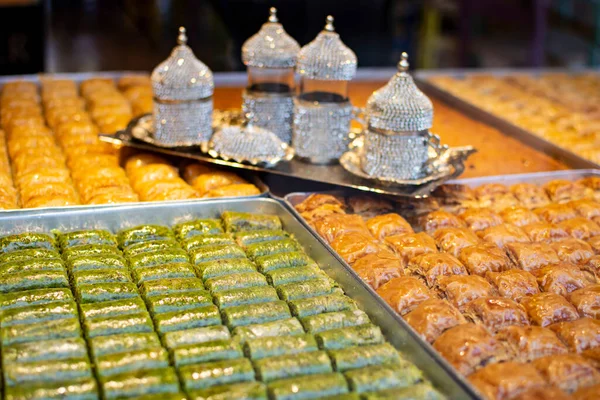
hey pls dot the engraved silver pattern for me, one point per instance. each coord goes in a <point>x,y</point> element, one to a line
<point>183,105</point>
<point>321,131</point>
<point>271,46</point>
<point>271,111</point>
<point>327,57</point>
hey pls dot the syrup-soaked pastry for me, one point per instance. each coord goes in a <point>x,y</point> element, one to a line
<point>490,189</point>
<point>321,212</point>
<point>453,193</point>
<point>595,243</point>
<point>507,380</point>
<point>587,393</point>
<point>496,313</point>
<point>468,347</point>
<point>579,335</point>
<point>519,216</point>
<point>530,195</point>
<point>479,219</point>
<point>573,251</point>
<point>587,301</point>
<point>514,284</point>
<point>385,225</point>
<point>580,228</point>
<point>432,266</point>
<point>531,256</point>
<point>548,308</point>
<point>592,182</point>
<point>462,289</point>
<point>593,266</point>
<point>483,258</point>
<point>527,343</point>
<point>353,245</point>
<point>334,225</point>
<point>139,160</point>
<point>543,232</point>
<point>502,234</point>
<point>440,219</point>
<point>593,356</point>
<point>562,190</point>
<point>411,245</point>
<point>453,240</point>
<point>555,213</point>
<point>586,208</point>
<point>569,372</point>
<point>316,200</point>
<point>405,293</point>
<point>433,317</point>
<point>369,206</point>
<point>543,393</point>
<point>378,268</point>
<point>562,278</point>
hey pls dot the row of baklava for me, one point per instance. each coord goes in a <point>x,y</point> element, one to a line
<point>479,298</point>
<point>109,109</point>
<point>8,193</point>
<point>137,89</point>
<point>38,164</point>
<point>93,164</point>
<point>570,124</point>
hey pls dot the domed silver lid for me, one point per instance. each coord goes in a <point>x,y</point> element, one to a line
<point>327,57</point>
<point>271,46</point>
<point>182,76</point>
<point>400,106</point>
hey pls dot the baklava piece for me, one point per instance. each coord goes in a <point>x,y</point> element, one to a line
<point>588,393</point>
<point>483,258</point>
<point>514,284</point>
<point>586,208</point>
<point>433,317</point>
<point>562,190</point>
<point>353,245</point>
<point>378,268</point>
<point>432,266</point>
<point>412,245</point>
<point>569,372</point>
<point>530,195</point>
<point>593,356</point>
<point>595,243</point>
<point>543,393</point>
<point>580,228</point>
<point>531,256</point>
<point>453,240</point>
<point>462,289</point>
<point>454,197</point>
<point>479,219</point>
<point>573,251</point>
<point>555,213</point>
<point>543,232</point>
<point>548,308</point>
<point>593,183</point>
<point>562,278</point>
<point>369,206</point>
<point>321,212</point>
<point>332,226</point>
<point>502,234</point>
<point>468,347</point>
<point>507,380</point>
<point>519,216</point>
<point>490,189</point>
<point>527,343</point>
<point>439,219</point>
<point>579,335</point>
<point>495,196</point>
<point>587,301</point>
<point>386,225</point>
<point>317,200</point>
<point>496,313</point>
<point>405,293</point>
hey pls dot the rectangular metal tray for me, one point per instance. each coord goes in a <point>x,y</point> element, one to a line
<point>527,137</point>
<point>115,218</point>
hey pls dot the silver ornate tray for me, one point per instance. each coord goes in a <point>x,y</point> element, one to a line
<point>293,168</point>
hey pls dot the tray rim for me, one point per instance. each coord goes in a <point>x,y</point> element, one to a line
<point>528,138</point>
<point>359,288</point>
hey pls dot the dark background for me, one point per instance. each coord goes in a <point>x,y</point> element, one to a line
<point>95,35</point>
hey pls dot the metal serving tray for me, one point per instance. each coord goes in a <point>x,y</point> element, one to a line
<point>394,328</point>
<point>527,137</point>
